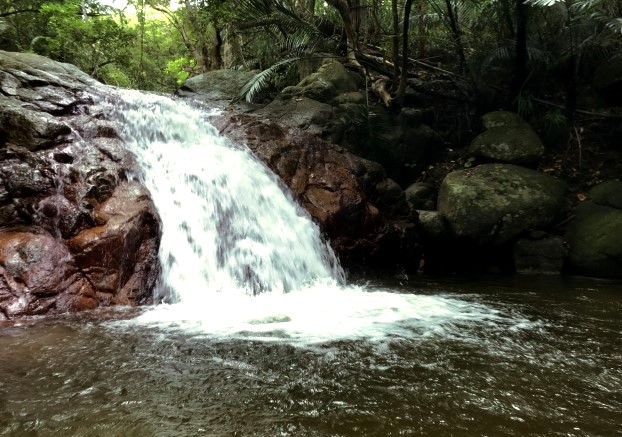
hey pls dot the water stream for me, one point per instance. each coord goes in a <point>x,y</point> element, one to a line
<point>258,334</point>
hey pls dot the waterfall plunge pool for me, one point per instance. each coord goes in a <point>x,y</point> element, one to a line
<point>308,355</point>
<point>530,356</point>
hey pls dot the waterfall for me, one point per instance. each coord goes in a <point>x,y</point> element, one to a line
<point>240,259</point>
<point>229,225</point>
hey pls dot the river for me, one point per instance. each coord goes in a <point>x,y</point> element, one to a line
<point>504,357</point>
<point>257,332</point>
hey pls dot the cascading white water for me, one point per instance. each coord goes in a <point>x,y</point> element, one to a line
<point>227,223</point>
<point>239,257</point>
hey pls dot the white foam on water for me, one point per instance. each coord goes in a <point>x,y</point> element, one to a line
<point>323,313</point>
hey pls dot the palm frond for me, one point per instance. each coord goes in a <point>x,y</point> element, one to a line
<point>544,3</point>
<point>259,82</point>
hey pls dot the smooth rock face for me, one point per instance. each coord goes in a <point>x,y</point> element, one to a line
<point>493,203</point>
<point>595,234</point>
<point>74,233</point>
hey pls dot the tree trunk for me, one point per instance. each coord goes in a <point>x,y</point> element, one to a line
<point>401,91</point>
<point>457,35</point>
<point>422,9</point>
<point>520,60</point>
<point>352,44</point>
<point>396,41</point>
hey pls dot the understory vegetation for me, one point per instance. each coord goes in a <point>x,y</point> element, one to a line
<point>542,58</point>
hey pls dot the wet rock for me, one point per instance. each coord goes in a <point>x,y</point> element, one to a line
<point>74,234</point>
<point>39,276</point>
<point>339,190</point>
<point>119,257</point>
<point>23,125</point>
<point>493,203</point>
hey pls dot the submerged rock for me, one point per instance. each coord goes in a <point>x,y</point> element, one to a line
<point>74,233</point>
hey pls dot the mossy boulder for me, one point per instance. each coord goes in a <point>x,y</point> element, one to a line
<point>331,79</point>
<point>493,203</point>
<point>609,193</point>
<point>502,119</point>
<point>595,235</point>
<point>513,144</point>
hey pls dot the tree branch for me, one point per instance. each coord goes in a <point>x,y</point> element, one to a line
<point>21,11</point>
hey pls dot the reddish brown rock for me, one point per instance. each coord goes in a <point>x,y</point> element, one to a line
<point>119,257</point>
<point>38,275</point>
<point>338,189</point>
<point>74,233</point>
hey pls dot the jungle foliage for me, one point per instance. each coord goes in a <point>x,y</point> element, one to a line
<point>512,52</point>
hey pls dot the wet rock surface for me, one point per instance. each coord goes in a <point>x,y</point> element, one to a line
<point>74,232</point>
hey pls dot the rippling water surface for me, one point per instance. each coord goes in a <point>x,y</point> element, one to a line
<point>519,357</point>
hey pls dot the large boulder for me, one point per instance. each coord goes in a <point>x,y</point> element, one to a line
<point>507,139</point>
<point>301,112</point>
<point>493,203</point>
<point>217,86</point>
<point>331,79</point>
<point>74,232</point>
<point>595,234</point>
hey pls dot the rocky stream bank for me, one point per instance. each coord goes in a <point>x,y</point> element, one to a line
<point>77,231</point>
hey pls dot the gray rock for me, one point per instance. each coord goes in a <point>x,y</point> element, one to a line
<point>493,203</point>
<point>216,85</point>
<point>300,112</point>
<point>421,196</point>
<point>433,227</point>
<point>24,125</point>
<point>502,119</point>
<point>333,72</point>
<point>517,144</point>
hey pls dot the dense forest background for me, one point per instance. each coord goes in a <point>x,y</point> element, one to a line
<point>517,52</point>
<point>556,62</point>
